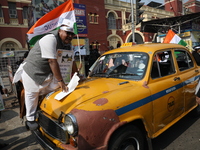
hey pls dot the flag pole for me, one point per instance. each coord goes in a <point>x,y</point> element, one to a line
<point>80,65</point>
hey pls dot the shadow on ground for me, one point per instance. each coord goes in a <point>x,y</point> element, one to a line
<point>169,136</point>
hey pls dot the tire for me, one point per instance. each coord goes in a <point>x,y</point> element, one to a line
<point>127,138</point>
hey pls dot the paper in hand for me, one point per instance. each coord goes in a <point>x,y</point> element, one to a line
<point>71,87</point>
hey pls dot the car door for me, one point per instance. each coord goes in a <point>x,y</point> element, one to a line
<point>166,90</point>
<point>188,74</point>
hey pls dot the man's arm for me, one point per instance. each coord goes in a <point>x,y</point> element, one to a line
<point>57,74</point>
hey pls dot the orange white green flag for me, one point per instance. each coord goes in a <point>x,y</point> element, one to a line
<point>172,37</point>
<point>52,21</point>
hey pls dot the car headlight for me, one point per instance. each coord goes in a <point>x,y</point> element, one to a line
<point>71,124</point>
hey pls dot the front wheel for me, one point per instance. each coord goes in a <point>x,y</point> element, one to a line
<point>127,138</point>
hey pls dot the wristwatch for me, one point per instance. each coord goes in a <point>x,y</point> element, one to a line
<point>60,80</point>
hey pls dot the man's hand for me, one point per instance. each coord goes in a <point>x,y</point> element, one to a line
<point>64,88</point>
<point>198,100</point>
<point>56,72</point>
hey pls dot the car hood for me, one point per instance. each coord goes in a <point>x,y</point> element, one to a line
<point>86,92</point>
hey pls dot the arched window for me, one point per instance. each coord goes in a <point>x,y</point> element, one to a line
<point>9,46</point>
<point>111,21</point>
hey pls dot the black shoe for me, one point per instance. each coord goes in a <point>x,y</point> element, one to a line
<point>3,145</point>
<point>31,125</point>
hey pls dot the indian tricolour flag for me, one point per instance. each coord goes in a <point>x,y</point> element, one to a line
<point>51,21</point>
<point>172,37</point>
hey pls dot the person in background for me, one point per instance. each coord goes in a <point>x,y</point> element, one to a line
<point>94,55</point>
<point>20,61</point>
<point>2,145</point>
<point>111,47</point>
<point>118,44</point>
<point>196,54</point>
<point>40,72</point>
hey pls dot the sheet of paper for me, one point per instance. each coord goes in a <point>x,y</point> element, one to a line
<point>71,87</point>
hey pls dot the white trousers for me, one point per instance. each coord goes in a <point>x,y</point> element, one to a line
<point>33,90</point>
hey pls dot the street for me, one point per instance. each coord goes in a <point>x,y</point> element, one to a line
<point>185,135</point>
<point>12,131</point>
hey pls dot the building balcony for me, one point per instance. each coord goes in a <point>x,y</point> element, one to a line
<point>25,21</point>
<point>127,26</point>
<point>14,21</point>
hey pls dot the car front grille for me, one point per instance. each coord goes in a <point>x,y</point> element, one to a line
<point>53,128</point>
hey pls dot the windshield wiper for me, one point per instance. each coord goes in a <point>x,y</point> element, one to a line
<point>124,74</point>
<point>98,74</point>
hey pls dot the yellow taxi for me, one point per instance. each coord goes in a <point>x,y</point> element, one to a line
<point>132,95</point>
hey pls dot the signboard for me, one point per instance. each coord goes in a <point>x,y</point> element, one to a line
<point>65,61</point>
<point>7,54</point>
<point>80,13</point>
<point>82,46</point>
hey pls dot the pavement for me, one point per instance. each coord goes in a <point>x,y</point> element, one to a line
<point>12,130</point>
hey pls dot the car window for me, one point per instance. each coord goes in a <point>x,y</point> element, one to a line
<point>183,60</point>
<point>162,65</point>
<point>127,65</point>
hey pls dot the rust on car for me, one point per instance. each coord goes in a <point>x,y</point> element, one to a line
<point>101,101</point>
<point>100,125</point>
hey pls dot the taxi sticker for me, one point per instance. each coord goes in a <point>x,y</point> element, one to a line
<point>128,44</point>
<point>171,103</point>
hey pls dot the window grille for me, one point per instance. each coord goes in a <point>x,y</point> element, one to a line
<point>12,10</point>
<point>111,21</point>
<point>25,12</point>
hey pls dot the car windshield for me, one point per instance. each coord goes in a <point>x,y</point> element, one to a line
<point>127,65</point>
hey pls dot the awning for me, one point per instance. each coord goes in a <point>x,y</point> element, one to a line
<point>183,22</point>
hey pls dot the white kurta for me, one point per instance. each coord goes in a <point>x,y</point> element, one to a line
<point>32,89</point>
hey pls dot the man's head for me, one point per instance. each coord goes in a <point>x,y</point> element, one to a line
<point>66,31</point>
<point>197,48</point>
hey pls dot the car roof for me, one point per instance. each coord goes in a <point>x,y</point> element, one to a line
<point>150,47</point>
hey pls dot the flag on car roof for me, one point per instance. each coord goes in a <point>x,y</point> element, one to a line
<point>172,37</point>
<point>51,21</point>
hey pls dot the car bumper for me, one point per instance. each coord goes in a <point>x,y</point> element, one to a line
<point>44,142</point>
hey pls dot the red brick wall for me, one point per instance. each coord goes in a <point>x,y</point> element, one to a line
<point>11,31</point>
<point>174,6</point>
<point>96,32</point>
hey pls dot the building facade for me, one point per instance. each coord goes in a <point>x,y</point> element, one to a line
<point>13,28</point>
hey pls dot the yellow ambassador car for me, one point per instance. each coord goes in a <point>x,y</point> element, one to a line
<point>132,95</point>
